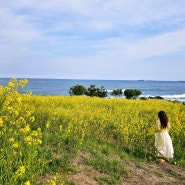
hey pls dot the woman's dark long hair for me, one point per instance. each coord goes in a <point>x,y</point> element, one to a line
<point>163,118</point>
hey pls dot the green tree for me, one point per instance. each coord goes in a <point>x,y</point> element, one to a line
<point>117,92</point>
<point>93,91</point>
<point>132,93</point>
<point>102,92</point>
<point>77,90</point>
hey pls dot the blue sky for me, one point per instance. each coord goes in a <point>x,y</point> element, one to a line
<point>93,39</point>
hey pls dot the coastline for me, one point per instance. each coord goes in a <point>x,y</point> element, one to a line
<point>169,90</point>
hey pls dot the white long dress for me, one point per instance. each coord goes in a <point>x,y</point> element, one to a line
<point>163,142</point>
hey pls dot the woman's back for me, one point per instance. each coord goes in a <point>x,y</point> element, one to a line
<point>159,128</point>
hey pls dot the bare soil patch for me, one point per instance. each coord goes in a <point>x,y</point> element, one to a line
<point>154,174</point>
<point>140,173</point>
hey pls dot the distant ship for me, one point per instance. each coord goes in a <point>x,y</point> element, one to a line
<point>140,80</point>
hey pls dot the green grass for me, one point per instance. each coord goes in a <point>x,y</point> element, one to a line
<point>107,160</point>
<point>159,175</point>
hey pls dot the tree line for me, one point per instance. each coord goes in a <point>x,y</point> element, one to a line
<point>92,90</point>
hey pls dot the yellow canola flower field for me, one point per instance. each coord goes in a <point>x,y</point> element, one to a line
<point>34,128</point>
<point>130,123</point>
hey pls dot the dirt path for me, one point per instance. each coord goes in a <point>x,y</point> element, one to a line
<point>155,174</point>
<point>141,173</point>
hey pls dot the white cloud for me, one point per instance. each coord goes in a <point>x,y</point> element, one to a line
<point>155,46</point>
<point>92,36</point>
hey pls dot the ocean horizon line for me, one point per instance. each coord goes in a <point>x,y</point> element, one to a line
<point>45,78</point>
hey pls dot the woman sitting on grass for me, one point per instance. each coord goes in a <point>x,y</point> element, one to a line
<point>163,142</point>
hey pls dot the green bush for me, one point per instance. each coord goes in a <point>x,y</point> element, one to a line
<point>90,91</point>
<point>117,92</point>
<point>132,93</point>
<point>93,91</point>
<point>77,90</point>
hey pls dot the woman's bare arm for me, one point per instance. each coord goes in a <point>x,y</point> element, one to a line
<point>157,126</point>
<point>168,126</point>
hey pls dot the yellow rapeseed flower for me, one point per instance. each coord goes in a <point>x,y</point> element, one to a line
<point>60,127</point>
<point>22,169</point>
<point>27,183</point>
<point>34,133</point>
<point>28,139</point>
<point>22,120</point>
<point>32,119</point>
<point>23,82</point>
<point>47,124</point>
<point>14,80</point>
<point>1,149</point>
<point>27,114</point>
<point>22,130</point>
<point>39,141</point>
<point>11,140</point>
<point>15,145</point>
<point>39,129</point>
<point>16,112</point>
<point>1,122</point>
<point>27,128</point>
<point>10,84</point>
<point>18,100</point>
<point>51,182</point>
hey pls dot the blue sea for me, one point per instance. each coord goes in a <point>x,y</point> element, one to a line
<point>170,90</point>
